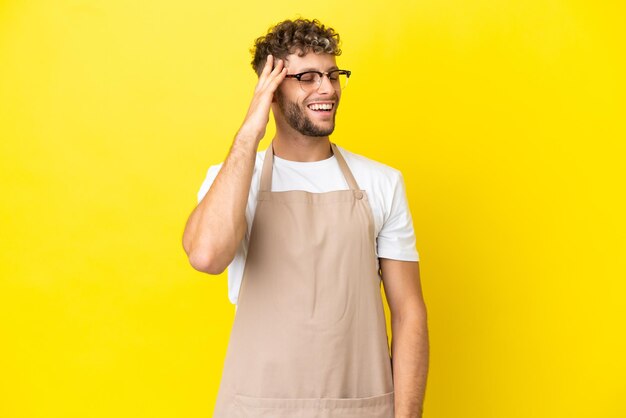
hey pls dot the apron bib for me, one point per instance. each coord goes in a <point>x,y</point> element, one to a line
<point>309,338</point>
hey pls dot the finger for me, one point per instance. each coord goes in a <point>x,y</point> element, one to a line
<point>268,65</point>
<point>276,72</point>
<point>272,83</point>
<point>278,79</point>
<point>267,68</point>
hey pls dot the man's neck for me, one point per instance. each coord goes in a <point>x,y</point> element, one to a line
<point>302,148</point>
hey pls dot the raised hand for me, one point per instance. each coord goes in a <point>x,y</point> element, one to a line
<point>257,118</point>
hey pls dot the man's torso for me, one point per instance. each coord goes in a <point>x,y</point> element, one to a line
<point>393,227</point>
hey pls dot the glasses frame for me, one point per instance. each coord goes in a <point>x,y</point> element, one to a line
<point>321,75</point>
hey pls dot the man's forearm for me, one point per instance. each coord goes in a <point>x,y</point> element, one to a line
<point>409,351</point>
<point>218,224</point>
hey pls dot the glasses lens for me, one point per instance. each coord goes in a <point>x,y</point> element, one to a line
<point>311,81</point>
<point>339,79</point>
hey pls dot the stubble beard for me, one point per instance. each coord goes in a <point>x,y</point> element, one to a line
<point>298,120</point>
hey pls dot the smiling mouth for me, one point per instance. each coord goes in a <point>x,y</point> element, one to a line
<point>321,107</point>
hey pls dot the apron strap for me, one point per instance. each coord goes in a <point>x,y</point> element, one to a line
<point>344,168</point>
<point>266,172</point>
<point>268,165</point>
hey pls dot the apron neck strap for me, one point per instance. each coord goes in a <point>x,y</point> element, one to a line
<point>268,165</point>
<point>266,173</point>
<point>344,168</point>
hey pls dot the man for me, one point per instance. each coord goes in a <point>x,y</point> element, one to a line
<point>309,231</point>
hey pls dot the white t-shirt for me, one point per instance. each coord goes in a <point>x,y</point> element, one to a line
<point>384,185</point>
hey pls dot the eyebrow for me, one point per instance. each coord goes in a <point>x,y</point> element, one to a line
<point>334,67</point>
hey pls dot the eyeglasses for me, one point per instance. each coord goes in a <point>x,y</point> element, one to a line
<point>312,80</point>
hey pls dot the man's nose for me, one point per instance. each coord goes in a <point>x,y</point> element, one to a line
<point>326,86</point>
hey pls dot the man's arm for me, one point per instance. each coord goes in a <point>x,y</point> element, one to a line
<point>409,341</point>
<point>217,225</point>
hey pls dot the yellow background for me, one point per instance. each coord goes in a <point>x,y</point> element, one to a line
<point>506,118</point>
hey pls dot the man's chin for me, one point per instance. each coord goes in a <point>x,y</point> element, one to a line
<point>312,129</point>
<point>318,132</point>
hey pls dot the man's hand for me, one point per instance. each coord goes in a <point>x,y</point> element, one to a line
<point>258,114</point>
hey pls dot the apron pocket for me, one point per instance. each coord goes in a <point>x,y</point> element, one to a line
<point>379,406</point>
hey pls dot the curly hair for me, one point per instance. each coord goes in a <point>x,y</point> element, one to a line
<point>299,36</point>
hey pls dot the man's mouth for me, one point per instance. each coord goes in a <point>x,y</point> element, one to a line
<point>321,107</point>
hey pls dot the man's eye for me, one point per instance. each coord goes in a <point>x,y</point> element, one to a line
<point>308,78</point>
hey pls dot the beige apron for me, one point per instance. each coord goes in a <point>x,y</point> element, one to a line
<point>309,338</point>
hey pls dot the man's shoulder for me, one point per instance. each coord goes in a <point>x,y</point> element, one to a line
<point>366,166</point>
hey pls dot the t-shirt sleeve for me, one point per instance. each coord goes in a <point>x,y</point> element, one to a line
<point>208,181</point>
<point>396,239</point>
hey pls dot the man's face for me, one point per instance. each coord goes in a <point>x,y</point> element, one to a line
<point>295,103</point>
